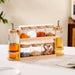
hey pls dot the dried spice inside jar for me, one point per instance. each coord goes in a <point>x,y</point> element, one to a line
<point>23,35</point>
<point>50,34</point>
<point>40,34</point>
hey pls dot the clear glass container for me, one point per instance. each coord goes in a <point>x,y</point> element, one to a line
<point>23,33</point>
<point>31,32</point>
<point>59,39</point>
<point>48,49</point>
<point>40,31</point>
<point>14,41</point>
<point>25,51</point>
<point>50,31</point>
<point>35,50</point>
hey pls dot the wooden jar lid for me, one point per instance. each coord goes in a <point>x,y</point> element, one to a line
<point>13,31</point>
<point>36,44</point>
<point>58,28</point>
<point>24,45</point>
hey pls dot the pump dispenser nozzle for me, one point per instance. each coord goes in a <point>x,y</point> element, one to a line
<point>58,25</point>
<point>12,26</point>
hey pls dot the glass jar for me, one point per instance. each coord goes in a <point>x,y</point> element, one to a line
<point>24,33</point>
<point>25,50</point>
<point>35,50</point>
<point>50,31</point>
<point>32,32</point>
<point>40,31</point>
<point>48,49</point>
<point>14,41</point>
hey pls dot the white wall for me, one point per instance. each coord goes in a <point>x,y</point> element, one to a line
<point>35,12</point>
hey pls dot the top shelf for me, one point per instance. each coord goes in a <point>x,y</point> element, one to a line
<point>36,26</point>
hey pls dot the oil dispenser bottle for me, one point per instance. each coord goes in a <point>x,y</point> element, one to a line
<point>14,47</point>
<point>59,40</point>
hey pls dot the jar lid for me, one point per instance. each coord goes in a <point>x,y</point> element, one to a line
<point>13,31</point>
<point>24,45</point>
<point>37,44</point>
<point>58,28</point>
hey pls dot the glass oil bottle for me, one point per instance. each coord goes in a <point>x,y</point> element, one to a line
<point>59,40</point>
<point>14,47</point>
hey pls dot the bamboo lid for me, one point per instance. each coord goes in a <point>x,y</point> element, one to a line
<point>24,45</point>
<point>13,31</point>
<point>58,28</point>
<point>36,44</point>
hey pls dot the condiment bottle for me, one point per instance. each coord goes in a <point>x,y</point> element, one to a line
<point>59,40</point>
<point>14,42</point>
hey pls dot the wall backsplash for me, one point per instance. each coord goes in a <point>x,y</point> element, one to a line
<point>22,12</point>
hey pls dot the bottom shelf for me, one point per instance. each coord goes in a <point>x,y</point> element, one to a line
<point>34,57</point>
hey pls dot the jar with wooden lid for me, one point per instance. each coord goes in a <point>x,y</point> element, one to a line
<point>36,49</point>
<point>25,50</point>
<point>40,31</point>
<point>48,49</point>
<point>31,32</point>
<point>23,33</point>
<point>50,30</point>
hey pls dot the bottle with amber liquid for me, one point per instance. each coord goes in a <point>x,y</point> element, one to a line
<point>14,47</point>
<point>59,40</point>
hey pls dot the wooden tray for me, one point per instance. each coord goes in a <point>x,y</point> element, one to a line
<point>34,57</point>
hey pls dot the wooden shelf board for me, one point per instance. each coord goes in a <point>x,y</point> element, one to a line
<point>38,38</point>
<point>38,57</point>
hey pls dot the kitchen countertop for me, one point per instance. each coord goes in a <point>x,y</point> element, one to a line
<point>31,68</point>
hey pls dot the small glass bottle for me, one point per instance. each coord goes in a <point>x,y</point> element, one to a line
<point>59,40</point>
<point>14,46</point>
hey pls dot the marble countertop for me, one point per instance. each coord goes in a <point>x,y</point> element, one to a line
<point>37,67</point>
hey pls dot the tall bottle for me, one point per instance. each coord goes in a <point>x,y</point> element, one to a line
<point>14,47</point>
<point>59,40</point>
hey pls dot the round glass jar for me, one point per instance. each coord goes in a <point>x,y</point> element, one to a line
<point>50,30</point>
<point>36,50</point>
<point>25,50</point>
<point>40,31</point>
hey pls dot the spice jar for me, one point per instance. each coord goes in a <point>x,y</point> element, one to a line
<point>35,50</point>
<point>24,33</point>
<point>25,50</point>
<point>40,31</point>
<point>48,49</point>
<point>50,31</point>
<point>32,32</point>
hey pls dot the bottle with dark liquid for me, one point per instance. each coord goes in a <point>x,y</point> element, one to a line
<point>14,48</point>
